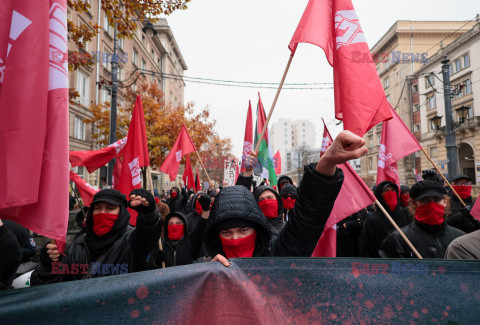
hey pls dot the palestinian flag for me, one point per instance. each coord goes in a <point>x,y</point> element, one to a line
<point>266,167</point>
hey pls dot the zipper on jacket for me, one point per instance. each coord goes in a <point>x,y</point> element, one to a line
<point>175,252</point>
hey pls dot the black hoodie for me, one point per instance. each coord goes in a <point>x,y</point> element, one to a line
<point>193,217</point>
<point>377,226</point>
<point>277,223</point>
<point>178,203</point>
<point>316,196</point>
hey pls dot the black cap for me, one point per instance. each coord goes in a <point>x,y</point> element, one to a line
<point>110,196</point>
<point>456,178</point>
<point>427,188</point>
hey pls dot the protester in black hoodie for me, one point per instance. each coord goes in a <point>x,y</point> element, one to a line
<point>429,233</point>
<point>271,205</point>
<point>377,226</point>
<point>349,234</point>
<point>200,199</point>
<point>109,245</point>
<point>178,200</point>
<point>284,180</point>
<point>238,228</point>
<point>460,216</point>
<point>288,193</point>
<point>24,238</point>
<point>10,256</point>
<point>404,195</point>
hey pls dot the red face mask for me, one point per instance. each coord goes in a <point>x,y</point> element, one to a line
<point>103,223</point>
<point>463,190</point>
<point>175,232</point>
<point>241,247</point>
<point>391,199</point>
<point>404,199</point>
<point>198,208</point>
<point>269,208</point>
<point>288,203</point>
<point>173,194</point>
<point>431,213</point>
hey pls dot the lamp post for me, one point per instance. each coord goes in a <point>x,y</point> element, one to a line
<point>150,31</point>
<point>462,113</point>
<point>436,120</point>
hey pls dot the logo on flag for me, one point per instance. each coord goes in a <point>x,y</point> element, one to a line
<point>383,156</point>
<point>135,171</point>
<point>347,28</point>
<point>178,154</point>
<point>119,144</point>
<point>58,65</point>
<point>325,144</point>
<point>247,148</point>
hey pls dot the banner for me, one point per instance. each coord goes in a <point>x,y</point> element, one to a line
<point>261,291</point>
<point>230,168</point>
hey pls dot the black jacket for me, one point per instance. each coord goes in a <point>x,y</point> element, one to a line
<point>24,238</point>
<point>185,250</point>
<point>10,257</point>
<point>178,203</point>
<point>193,217</point>
<point>277,223</point>
<point>245,181</point>
<point>377,226</point>
<point>349,232</point>
<point>460,216</point>
<point>316,196</point>
<point>126,254</point>
<point>429,241</point>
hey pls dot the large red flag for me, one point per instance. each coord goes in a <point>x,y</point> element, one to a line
<point>136,155</point>
<point>475,212</point>
<point>95,159</point>
<point>85,190</point>
<point>333,25</point>
<point>188,174</point>
<point>117,172</point>
<point>248,139</point>
<point>183,146</point>
<point>277,161</point>
<point>34,108</point>
<point>353,197</point>
<point>198,186</point>
<point>397,142</point>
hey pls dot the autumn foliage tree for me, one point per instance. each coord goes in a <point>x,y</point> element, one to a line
<point>163,123</point>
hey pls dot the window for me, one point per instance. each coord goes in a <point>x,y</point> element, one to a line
<point>120,74</point>
<point>303,142</point>
<point>458,65</point>
<point>387,64</point>
<point>83,88</point>
<point>388,98</point>
<point>468,87</point>
<point>106,96</point>
<point>433,152</point>
<point>466,60</point>
<point>135,56</point>
<point>79,130</point>
<point>120,43</point>
<point>417,154</point>
<point>370,142</point>
<point>143,38</point>
<point>286,135</point>
<point>303,124</point>
<point>415,88</point>
<point>416,107</point>
<point>106,26</point>
<point>432,126</point>
<point>416,127</point>
<point>429,81</point>
<point>460,92</point>
<point>450,70</point>
<point>370,163</point>
<point>286,142</point>
<point>431,102</point>
<point>386,83</point>
<point>144,65</point>
<point>285,123</point>
<point>379,139</point>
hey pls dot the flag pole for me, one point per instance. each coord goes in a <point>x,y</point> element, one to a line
<point>394,224</point>
<point>273,104</point>
<point>149,177</point>
<point>444,178</point>
<point>80,204</point>
<point>201,162</point>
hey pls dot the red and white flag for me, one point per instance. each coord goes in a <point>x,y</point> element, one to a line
<point>183,146</point>
<point>136,155</point>
<point>277,161</point>
<point>95,159</point>
<point>397,142</point>
<point>333,25</point>
<point>475,212</point>
<point>85,190</point>
<point>248,139</point>
<point>353,197</point>
<point>34,108</point>
<point>188,174</point>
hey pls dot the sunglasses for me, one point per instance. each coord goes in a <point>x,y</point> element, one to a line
<point>286,196</point>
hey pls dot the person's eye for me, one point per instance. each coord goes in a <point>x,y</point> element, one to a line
<point>245,229</point>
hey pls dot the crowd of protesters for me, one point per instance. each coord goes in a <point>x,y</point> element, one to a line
<point>248,221</point>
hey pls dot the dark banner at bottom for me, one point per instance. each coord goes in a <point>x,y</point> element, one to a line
<point>261,291</point>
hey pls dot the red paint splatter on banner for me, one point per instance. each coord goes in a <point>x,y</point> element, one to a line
<point>142,292</point>
<point>147,307</point>
<point>256,278</point>
<point>412,302</point>
<point>369,304</point>
<point>404,292</point>
<point>441,269</point>
<point>293,265</point>
<point>131,300</point>
<point>425,311</point>
<point>416,314</point>
<point>445,314</point>
<point>356,273</point>
<point>135,314</point>
<point>464,288</point>
<point>448,307</point>
<point>333,317</point>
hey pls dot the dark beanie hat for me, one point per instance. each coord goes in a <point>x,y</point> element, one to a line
<point>427,188</point>
<point>110,196</point>
<point>233,223</point>
<point>404,188</point>
<point>288,189</point>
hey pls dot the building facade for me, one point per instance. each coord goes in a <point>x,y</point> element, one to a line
<point>398,56</point>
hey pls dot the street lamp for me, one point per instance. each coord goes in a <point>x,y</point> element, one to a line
<point>150,31</point>
<point>436,120</point>
<point>462,113</point>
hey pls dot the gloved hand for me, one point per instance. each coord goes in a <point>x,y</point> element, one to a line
<point>204,202</point>
<point>355,224</point>
<point>428,174</point>
<point>142,201</point>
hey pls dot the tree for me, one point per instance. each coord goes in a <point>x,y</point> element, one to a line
<point>163,123</point>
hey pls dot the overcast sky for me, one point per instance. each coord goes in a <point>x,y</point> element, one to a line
<point>247,41</point>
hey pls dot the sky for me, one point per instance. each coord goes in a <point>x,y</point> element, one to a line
<point>248,41</point>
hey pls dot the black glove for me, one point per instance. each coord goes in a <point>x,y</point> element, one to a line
<point>159,258</point>
<point>142,209</point>
<point>204,202</point>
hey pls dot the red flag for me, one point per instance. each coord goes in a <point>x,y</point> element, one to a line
<point>188,174</point>
<point>117,172</point>
<point>183,146</point>
<point>136,155</point>
<point>397,142</point>
<point>34,108</point>
<point>277,161</point>
<point>353,197</point>
<point>198,186</point>
<point>359,97</point>
<point>475,212</point>
<point>248,139</point>
<point>85,190</point>
<point>95,159</point>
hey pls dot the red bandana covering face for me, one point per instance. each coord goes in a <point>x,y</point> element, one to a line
<point>431,213</point>
<point>288,203</point>
<point>175,232</point>
<point>241,247</point>
<point>464,191</point>
<point>391,199</point>
<point>103,223</point>
<point>198,208</point>
<point>404,198</point>
<point>269,208</point>
<point>173,194</point>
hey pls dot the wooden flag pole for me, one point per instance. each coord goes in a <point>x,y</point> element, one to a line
<point>80,204</point>
<point>443,176</point>
<point>273,104</point>
<point>150,180</point>
<point>394,224</point>
<point>201,162</point>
